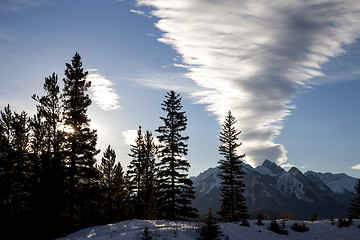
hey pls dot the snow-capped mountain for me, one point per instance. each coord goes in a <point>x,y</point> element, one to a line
<point>272,190</point>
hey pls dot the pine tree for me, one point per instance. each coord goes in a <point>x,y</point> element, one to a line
<point>233,206</point>
<point>80,144</point>
<point>136,172</point>
<point>150,177</point>
<point>210,230</point>
<point>112,186</point>
<point>176,188</point>
<point>142,173</point>
<point>354,210</point>
<point>107,172</point>
<point>47,142</point>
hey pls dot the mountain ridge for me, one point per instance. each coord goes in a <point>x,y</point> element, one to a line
<point>273,190</point>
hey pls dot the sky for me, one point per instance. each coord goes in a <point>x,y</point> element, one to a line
<point>288,70</point>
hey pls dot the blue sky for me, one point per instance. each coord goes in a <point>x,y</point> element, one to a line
<point>289,71</point>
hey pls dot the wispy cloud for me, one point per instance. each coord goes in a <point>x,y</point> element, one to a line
<point>357,167</point>
<point>17,5</point>
<point>102,90</point>
<point>139,12</point>
<point>254,56</point>
<point>287,165</point>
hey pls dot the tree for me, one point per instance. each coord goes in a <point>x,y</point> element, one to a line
<point>112,185</point>
<point>354,210</point>
<point>143,171</point>
<point>210,230</point>
<point>176,188</point>
<point>150,177</point>
<point>135,174</point>
<point>233,206</point>
<point>46,149</point>
<point>80,144</point>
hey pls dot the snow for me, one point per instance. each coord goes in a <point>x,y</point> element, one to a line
<point>338,183</point>
<point>265,171</point>
<point>162,230</point>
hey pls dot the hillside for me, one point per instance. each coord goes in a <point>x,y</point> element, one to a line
<point>162,230</point>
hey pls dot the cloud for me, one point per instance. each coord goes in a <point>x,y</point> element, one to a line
<point>129,136</point>
<point>253,57</point>
<point>17,5</point>
<point>102,92</point>
<point>139,12</point>
<point>357,167</point>
<point>287,165</point>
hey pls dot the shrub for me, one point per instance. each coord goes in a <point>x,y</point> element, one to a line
<point>259,220</point>
<point>343,222</point>
<point>245,223</point>
<point>146,234</point>
<point>299,227</point>
<point>275,227</point>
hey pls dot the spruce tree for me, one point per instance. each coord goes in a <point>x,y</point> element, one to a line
<point>47,143</point>
<point>143,171</point>
<point>112,186</point>
<point>354,210</point>
<point>135,174</point>
<point>176,188</point>
<point>80,144</point>
<point>150,177</point>
<point>233,206</point>
<point>210,230</point>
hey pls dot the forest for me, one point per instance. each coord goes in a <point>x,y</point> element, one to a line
<point>51,181</point>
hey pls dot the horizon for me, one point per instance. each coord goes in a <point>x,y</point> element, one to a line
<point>288,71</point>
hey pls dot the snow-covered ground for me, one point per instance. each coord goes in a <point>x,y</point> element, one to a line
<point>166,230</point>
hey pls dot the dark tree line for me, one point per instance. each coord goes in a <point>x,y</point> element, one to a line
<point>51,184</point>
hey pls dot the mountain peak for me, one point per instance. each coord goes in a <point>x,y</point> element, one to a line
<point>269,168</point>
<point>294,171</point>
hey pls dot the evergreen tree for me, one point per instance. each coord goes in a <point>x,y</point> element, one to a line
<point>47,142</point>
<point>6,166</point>
<point>233,206</point>
<point>176,188</point>
<point>210,230</point>
<point>80,145</point>
<point>354,210</point>
<point>135,174</point>
<point>150,177</point>
<point>112,186</point>
<point>142,174</point>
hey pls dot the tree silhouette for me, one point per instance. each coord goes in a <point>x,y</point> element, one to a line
<point>233,206</point>
<point>176,188</point>
<point>354,210</point>
<point>80,142</point>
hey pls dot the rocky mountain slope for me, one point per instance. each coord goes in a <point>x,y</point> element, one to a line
<point>272,191</point>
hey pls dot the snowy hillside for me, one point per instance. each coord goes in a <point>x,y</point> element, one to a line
<point>161,230</point>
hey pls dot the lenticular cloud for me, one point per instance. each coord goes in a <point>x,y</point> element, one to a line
<point>252,57</point>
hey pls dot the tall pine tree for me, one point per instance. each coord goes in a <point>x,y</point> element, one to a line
<point>176,188</point>
<point>80,145</point>
<point>233,206</point>
<point>47,142</point>
<point>354,210</point>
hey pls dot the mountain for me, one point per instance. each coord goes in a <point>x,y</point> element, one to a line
<point>273,191</point>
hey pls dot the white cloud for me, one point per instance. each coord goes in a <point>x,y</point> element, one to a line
<point>129,136</point>
<point>102,92</point>
<point>287,165</point>
<point>357,167</point>
<point>254,56</point>
<point>139,12</point>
